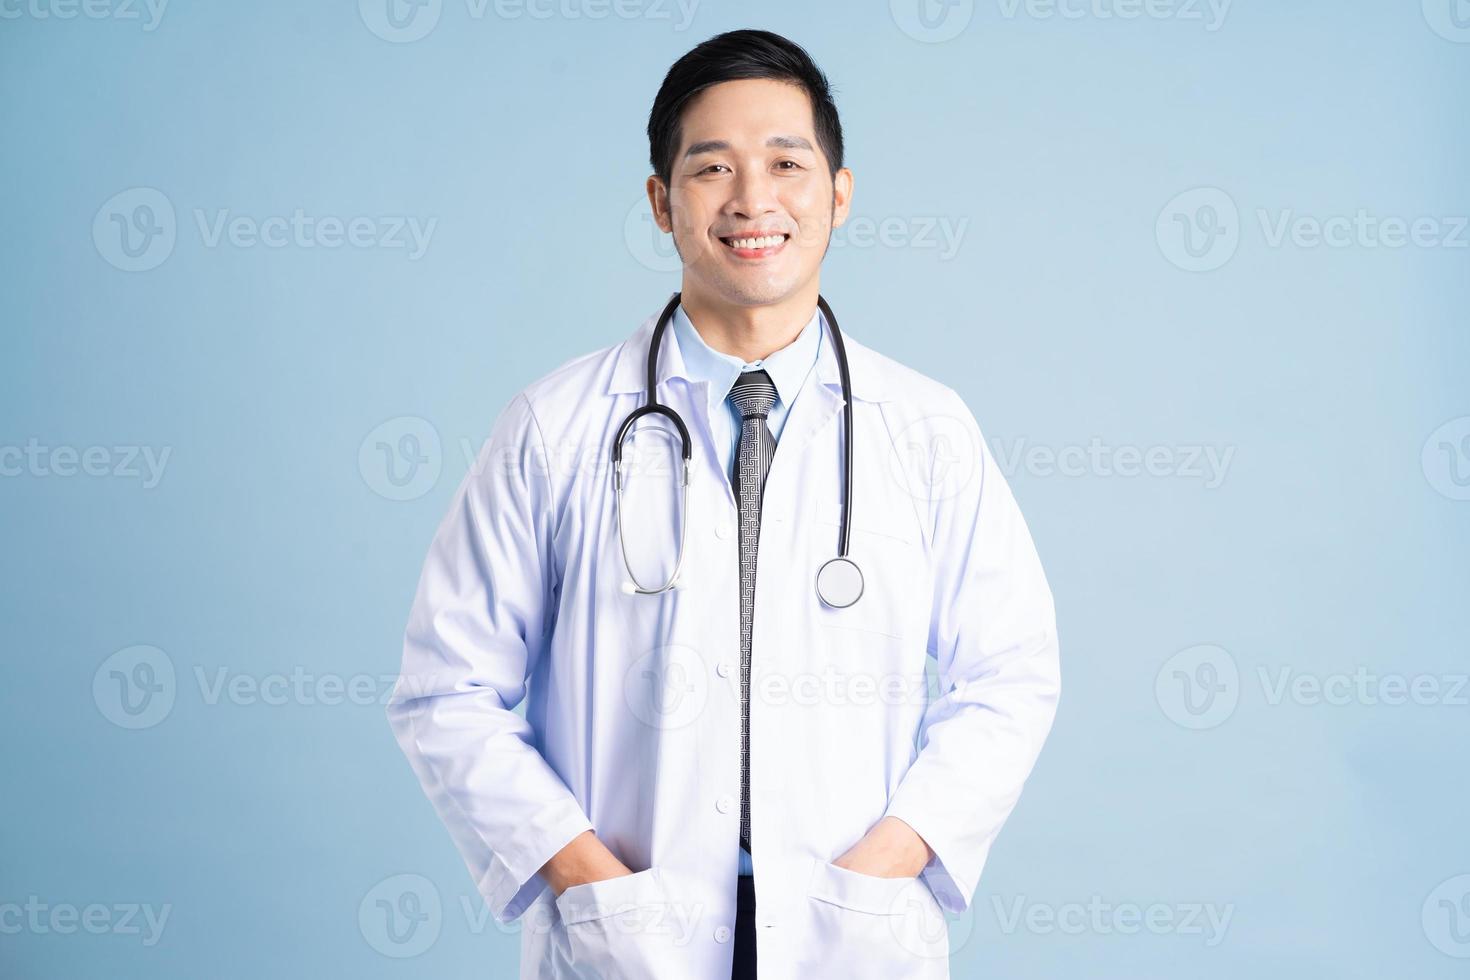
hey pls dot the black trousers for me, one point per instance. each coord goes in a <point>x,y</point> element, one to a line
<point>744,968</point>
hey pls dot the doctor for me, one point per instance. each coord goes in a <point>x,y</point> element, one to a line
<point>733,771</point>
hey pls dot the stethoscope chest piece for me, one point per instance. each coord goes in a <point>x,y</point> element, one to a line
<point>839,582</point>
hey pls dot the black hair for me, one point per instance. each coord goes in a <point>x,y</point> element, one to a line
<point>734,55</point>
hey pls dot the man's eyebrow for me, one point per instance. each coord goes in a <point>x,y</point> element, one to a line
<point>789,142</point>
<point>715,146</point>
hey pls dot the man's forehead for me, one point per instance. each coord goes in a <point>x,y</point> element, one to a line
<point>771,117</point>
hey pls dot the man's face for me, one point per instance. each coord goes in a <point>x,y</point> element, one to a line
<point>751,201</point>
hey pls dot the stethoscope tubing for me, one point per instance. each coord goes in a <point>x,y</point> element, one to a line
<point>841,351</point>
<point>652,406</point>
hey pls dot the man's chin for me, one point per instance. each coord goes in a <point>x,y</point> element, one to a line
<point>736,292</point>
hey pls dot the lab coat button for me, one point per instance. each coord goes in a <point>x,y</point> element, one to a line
<point>722,668</point>
<point>722,934</point>
<point>722,531</point>
<point>724,803</point>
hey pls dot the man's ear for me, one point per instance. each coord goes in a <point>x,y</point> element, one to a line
<point>841,196</point>
<point>658,202</point>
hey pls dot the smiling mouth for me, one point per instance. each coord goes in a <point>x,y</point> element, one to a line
<point>755,246</point>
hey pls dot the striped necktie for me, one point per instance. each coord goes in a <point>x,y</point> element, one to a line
<point>753,395</point>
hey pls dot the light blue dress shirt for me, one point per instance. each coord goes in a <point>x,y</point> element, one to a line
<point>787,367</point>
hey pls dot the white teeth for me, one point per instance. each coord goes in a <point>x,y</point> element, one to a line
<point>765,242</point>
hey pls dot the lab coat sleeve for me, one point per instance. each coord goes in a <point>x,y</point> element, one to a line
<point>993,636</point>
<point>480,620</point>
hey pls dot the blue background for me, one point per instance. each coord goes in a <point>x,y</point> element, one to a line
<point>1332,834</point>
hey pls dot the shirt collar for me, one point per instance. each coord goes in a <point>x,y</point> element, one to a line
<point>875,378</point>
<point>787,367</point>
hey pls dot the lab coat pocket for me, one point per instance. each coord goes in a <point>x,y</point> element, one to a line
<point>865,925</point>
<point>894,599</point>
<point>620,927</point>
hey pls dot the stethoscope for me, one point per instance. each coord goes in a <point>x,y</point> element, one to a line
<point>839,580</point>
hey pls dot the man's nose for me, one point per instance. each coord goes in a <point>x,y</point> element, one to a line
<point>754,194</point>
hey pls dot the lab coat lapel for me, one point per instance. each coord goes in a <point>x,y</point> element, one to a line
<point>814,408</point>
<point>689,398</point>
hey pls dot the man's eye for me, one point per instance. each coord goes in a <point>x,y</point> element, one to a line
<point>711,167</point>
<point>789,164</point>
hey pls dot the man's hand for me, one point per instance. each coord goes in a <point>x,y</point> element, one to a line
<point>890,849</point>
<point>585,859</point>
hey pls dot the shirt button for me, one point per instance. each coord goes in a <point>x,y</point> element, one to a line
<point>722,934</point>
<point>724,803</point>
<point>723,531</point>
<point>722,668</point>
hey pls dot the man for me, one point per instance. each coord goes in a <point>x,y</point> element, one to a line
<point>731,771</point>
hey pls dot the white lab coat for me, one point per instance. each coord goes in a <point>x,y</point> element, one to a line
<point>631,723</point>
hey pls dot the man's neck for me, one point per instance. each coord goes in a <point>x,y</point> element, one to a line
<point>750,332</point>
